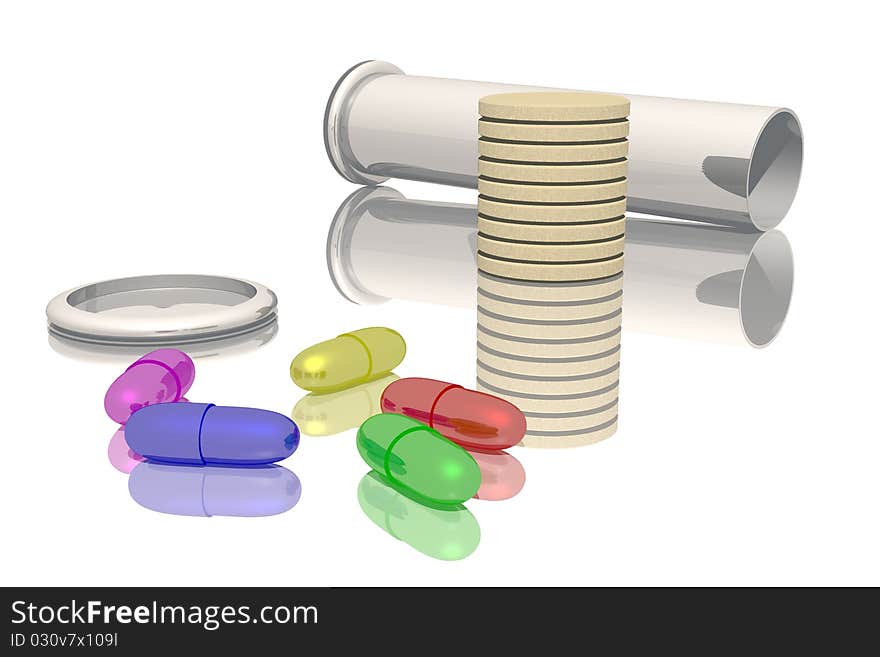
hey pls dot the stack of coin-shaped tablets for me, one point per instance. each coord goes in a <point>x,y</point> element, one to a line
<point>550,254</point>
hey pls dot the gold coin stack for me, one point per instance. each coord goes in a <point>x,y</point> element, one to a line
<point>550,255</point>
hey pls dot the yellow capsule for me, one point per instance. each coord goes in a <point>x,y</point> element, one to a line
<point>348,360</point>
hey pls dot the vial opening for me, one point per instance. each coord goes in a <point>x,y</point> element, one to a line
<point>775,170</point>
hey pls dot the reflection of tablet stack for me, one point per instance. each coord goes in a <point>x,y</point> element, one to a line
<point>550,255</point>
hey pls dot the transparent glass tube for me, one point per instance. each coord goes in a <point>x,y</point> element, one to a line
<point>721,163</point>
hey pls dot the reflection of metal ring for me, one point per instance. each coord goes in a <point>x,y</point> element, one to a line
<point>161,310</point>
<point>122,354</point>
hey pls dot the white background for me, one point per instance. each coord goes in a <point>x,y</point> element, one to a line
<point>159,137</point>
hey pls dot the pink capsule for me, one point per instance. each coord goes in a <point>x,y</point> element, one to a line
<point>470,418</point>
<point>163,375</point>
<point>503,475</point>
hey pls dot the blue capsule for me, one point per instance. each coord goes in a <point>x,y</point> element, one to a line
<point>201,434</point>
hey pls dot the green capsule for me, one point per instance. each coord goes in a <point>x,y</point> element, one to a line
<point>448,531</point>
<point>417,458</point>
<point>348,360</point>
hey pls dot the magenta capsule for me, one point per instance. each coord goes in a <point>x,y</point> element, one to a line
<point>161,376</point>
<point>472,419</point>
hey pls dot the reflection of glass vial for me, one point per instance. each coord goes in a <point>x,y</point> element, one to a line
<point>382,245</point>
<point>684,280</point>
<point>707,282</point>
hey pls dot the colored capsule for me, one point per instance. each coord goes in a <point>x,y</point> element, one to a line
<point>449,532</point>
<point>470,418</point>
<point>417,458</point>
<point>202,434</point>
<point>325,415</point>
<point>163,375</point>
<point>186,490</point>
<point>503,476</point>
<point>348,360</point>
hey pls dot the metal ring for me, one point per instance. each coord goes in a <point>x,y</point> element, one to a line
<point>161,309</point>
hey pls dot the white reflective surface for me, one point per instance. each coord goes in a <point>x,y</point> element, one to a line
<point>121,121</point>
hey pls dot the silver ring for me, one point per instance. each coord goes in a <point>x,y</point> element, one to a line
<point>161,310</point>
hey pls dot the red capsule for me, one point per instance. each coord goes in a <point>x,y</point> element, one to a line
<point>472,419</point>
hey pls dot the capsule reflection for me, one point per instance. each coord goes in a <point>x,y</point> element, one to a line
<point>448,533</point>
<point>335,412</point>
<point>185,490</point>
